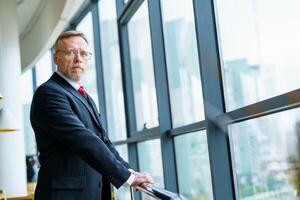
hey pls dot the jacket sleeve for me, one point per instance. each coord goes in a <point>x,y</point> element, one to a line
<point>52,111</point>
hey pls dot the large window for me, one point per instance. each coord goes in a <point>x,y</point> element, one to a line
<point>122,193</point>
<point>193,167</point>
<point>32,164</point>
<point>43,68</point>
<point>89,79</point>
<point>150,160</point>
<point>112,70</point>
<point>166,61</point>
<point>142,69</point>
<point>27,93</point>
<point>182,62</point>
<point>267,156</point>
<point>259,41</point>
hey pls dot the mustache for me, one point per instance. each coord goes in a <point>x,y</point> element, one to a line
<point>78,67</point>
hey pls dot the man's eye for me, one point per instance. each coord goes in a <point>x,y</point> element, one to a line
<point>84,54</point>
<point>69,53</point>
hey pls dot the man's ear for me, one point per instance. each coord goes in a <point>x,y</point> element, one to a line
<point>55,58</point>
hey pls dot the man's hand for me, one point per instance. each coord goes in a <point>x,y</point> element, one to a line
<point>142,178</point>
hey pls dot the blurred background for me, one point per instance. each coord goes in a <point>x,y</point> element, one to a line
<point>204,95</point>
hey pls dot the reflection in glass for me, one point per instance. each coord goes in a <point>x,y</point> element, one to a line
<point>182,62</point>
<point>260,41</point>
<point>150,161</point>
<point>123,193</point>
<point>89,79</point>
<point>266,155</point>
<point>112,70</point>
<point>43,68</point>
<point>193,166</point>
<point>142,69</point>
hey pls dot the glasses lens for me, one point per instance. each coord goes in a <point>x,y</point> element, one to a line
<point>73,53</point>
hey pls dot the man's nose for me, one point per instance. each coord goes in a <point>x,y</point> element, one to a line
<point>78,57</point>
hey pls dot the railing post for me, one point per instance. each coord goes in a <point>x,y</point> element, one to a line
<point>132,193</point>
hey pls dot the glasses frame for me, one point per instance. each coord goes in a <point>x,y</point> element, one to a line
<point>72,53</point>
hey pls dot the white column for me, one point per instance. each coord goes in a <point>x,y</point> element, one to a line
<point>12,150</point>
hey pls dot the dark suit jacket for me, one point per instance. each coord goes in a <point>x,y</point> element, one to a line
<point>77,159</point>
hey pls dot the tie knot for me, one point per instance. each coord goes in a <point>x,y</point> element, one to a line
<point>82,91</point>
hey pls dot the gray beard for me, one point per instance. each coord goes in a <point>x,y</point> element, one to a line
<point>75,78</point>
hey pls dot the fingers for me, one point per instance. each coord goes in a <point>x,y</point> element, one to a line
<point>146,176</point>
<point>149,178</point>
<point>142,178</point>
<point>139,180</point>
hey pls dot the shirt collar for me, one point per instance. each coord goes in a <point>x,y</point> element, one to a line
<point>71,82</point>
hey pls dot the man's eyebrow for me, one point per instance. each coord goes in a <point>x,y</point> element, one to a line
<point>77,49</point>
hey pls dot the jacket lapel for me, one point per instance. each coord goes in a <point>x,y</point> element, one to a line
<point>94,108</point>
<point>69,88</point>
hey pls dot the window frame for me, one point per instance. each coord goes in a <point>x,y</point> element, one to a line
<point>216,118</point>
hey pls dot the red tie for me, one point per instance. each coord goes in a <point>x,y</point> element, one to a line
<point>82,91</point>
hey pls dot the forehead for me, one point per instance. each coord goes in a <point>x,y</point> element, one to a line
<point>73,42</point>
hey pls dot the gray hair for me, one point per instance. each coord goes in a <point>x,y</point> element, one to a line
<point>68,34</point>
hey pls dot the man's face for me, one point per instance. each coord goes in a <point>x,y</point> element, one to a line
<point>73,67</point>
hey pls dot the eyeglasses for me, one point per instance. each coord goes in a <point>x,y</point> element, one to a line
<point>73,53</point>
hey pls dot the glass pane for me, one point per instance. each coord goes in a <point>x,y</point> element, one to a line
<point>123,151</point>
<point>142,69</point>
<point>266,155</point>
<point>27,93</point>
<point>89,79</point>
<point>32,163</point>
<point>150,161</point>
<point>26,87</point>
<point>182,62</point>
<point>123,193</point>
<point>43,68</point>
<point>193,168</point>
<point>112,70</point>
<point>259,41</point>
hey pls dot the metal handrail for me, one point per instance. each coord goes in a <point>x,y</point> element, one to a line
<point>155,192</point>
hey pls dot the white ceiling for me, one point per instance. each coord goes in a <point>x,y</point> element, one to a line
<point>39,24</point>
<point>28,12</point>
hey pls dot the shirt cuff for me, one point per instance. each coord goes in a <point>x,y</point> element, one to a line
<point>129,181</point>
<point>131,170</point>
